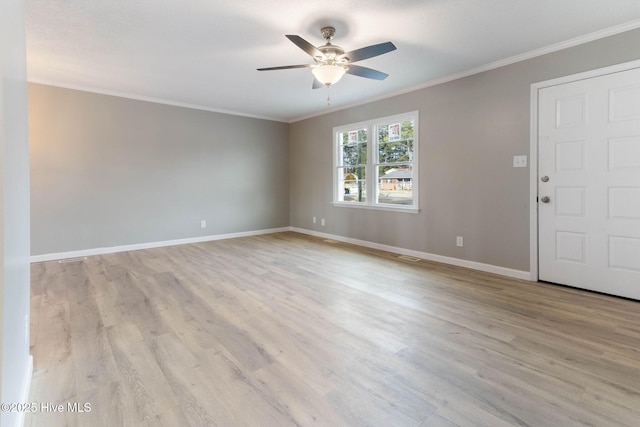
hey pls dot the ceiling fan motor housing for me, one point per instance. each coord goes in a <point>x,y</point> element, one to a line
<point>328,33</point>
<point>330,51</point>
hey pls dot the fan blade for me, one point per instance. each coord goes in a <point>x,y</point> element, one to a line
<point>369,51</point>
<point>306,46</point>
<point>369,73</point>
<point>284,67</point>
<point>316,84</point>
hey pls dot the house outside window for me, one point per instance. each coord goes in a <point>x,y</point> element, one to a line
<point>376,164</point>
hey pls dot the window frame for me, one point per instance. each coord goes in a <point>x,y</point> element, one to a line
<point>373,162</point>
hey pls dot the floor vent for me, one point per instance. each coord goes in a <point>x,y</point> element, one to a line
<point>330,241</point>
<point>409,258</point>
<point>67,260</point>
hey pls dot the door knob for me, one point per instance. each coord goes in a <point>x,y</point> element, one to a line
<point>545,199</point>
<point>544,179</point>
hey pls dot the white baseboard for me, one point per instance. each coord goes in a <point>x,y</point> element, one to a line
<point>150,245</point>
<point>503,271</point>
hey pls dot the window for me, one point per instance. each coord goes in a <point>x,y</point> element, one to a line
<point>376,163</point>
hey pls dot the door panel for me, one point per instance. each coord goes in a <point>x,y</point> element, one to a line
<point>589,149</point>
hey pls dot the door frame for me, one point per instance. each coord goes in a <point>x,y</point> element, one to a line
<point>533,154</point>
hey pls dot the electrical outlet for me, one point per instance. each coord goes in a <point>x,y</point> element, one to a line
<point>322,222</point>
<point>459,241</point>
<point>519,161</point>
<point>314,220</point>
<point>203,224</point>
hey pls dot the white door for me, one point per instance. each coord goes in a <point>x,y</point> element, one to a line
<point>589,169</point>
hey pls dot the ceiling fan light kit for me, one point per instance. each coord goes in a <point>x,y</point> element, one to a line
<point>328,74</point>
<point>331,61</point>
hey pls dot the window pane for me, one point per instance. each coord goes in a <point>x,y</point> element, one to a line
<point>395,184</point>
<point>353,147</point>
<point>396,131</point>
<point>353,136</point>
<point>395,142</point>
<point>394,152</point>
<point>352,184</point>
<point>354,154</point>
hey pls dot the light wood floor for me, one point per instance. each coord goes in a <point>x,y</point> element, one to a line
<point>290,330</point>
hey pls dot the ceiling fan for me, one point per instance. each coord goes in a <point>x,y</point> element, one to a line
<point>332,62</point>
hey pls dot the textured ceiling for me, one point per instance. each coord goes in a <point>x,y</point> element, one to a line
<point>204,53</point>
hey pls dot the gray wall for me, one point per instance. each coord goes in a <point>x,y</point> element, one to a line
<point>109,171</point>
<point>14,210</point>
<point>469,131</point>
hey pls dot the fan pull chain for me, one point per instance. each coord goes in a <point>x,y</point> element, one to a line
<point>328,96</point>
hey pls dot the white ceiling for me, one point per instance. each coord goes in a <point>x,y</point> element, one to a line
<point>204,53</point>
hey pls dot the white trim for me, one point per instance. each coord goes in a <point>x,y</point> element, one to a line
<point>487,67</point>
<point>533,186</point>
<point>143,98</point>
<point>379,207</point>
<point>150,245</point>
<point>503,271</point>
<point>588,74</point>
<point>488,268</point>
<point>533,164</point>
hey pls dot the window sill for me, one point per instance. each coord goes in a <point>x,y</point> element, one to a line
<point>389,208</point>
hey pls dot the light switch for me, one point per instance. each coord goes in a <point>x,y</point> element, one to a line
<point>519,161</point>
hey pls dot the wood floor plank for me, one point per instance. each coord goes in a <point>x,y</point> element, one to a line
<point>286,329</point>
<point>139,373</point>
<point>60,378</point>
<point>195,397</point>
<point>298,392</point>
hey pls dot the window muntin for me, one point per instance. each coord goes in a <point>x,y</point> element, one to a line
<point>376,163</point>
